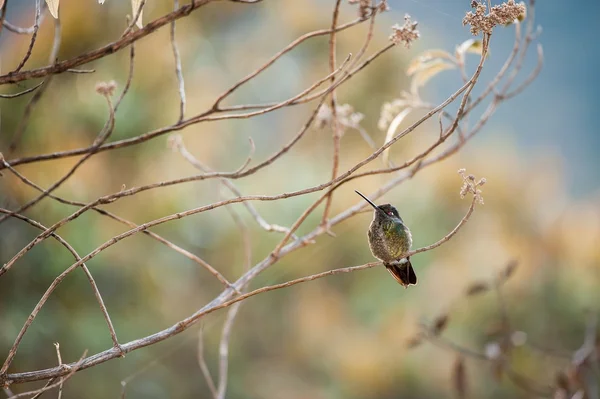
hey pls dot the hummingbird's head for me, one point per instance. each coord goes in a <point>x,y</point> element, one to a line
<point>389,210</point>
<point>383,211</point>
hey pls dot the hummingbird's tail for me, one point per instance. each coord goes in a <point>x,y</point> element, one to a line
<point>402,271</point>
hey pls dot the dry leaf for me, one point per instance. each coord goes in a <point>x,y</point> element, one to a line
<point>440,324</point>
<point>425,57</point>
<point>428,70</point>
<point>459,377</point>
<point>477,288</point>
<point>470,46</point>
<point>53,7</point>
<point>392,131</point>
<point>135,7</point>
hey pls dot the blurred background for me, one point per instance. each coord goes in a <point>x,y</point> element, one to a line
<point>339,337</point>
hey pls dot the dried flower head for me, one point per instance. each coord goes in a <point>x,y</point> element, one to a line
<point>383,6</point>
<point>106,88</point>
<point>389,110</point>
<point>470,186</point>
<point>406,33</point>
<point>502,14</point>
<point>323,116</point>
<point>364,7</point>
<point>345,113</point>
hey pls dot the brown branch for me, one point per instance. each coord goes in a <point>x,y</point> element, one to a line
<point>69,371</point>
<point>135,19</point>
<point>17,29</point>
<point>3,14</point>
<point>232,313</point>
<point>60,363</point>
<point>178,71</point>
<point>34,100</point>
<point>36,26</point>
<point>336,126</point>
<point>203,366</point>
<point>21,93</point>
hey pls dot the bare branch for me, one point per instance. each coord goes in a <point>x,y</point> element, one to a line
<point>21,93</point>
<point>69,370</point>
<point>178,71</point>
<point>336,126</point>
<point>36,26</point>
<point>34,100</point>
<point>203,366</point>
<point>60,387</point>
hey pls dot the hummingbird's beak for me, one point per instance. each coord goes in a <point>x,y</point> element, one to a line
<point>370,202</point>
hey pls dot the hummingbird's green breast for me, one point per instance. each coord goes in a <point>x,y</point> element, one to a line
<point>389,239</point>
<point>398,238</point>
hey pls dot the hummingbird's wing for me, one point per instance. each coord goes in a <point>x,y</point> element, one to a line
<point>402,272</point>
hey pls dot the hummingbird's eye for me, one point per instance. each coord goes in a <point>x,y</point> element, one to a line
<point>390,213</point>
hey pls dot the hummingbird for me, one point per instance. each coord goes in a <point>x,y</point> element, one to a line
<point>389,240</point>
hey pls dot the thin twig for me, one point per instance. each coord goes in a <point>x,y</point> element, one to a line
<point>203,366</point>
<point>36,26</point>
<point>178,70</point>
<point>233,311</point>
<point>336,126</point>
<point>69,370</point>
<point>36,97</point>
<point>60,387</point>
<point>3,14</point>
<point>19,30</point>
<point>21,92</point>
<point>136,17</point>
